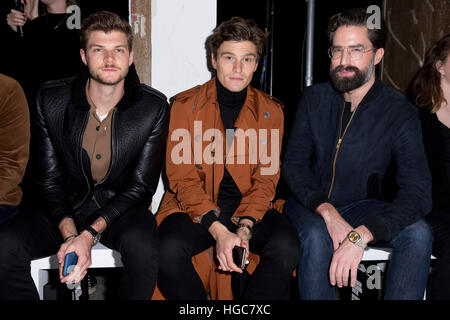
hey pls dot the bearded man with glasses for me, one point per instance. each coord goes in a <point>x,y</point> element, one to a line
<point>346,135</point>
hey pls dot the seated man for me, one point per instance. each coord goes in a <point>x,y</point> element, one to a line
<point>222,181</point>
<point>345,136</point>
<point>100,141</point>
<point>14,144</point>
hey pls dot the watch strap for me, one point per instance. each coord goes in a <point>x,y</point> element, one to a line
<point>361,244</point>
<point>95,234</point>
<point>246,226</point>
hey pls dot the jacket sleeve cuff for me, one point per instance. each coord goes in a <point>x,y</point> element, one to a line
<point>314,200</point>
<point>208,219</point>
<point>59,216</point>
<point>378,228</point>
<point>249,218</point>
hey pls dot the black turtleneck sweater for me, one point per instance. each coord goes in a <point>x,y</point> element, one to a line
<point>230,104</point>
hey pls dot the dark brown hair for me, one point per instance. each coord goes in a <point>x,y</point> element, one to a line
<point>427,84</point>
<point>358,17</point>
<point>235,29</point>
<point>104,21</point>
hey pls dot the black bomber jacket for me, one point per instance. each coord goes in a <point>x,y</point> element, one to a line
<point>138,137</point>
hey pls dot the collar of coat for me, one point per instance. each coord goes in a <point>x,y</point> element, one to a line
<point>370,96</point>
<point>206,94</point>
<point>131,87</point>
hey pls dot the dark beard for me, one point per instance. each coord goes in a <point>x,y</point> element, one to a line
<point>346,84</point>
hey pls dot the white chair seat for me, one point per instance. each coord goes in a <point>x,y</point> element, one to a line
<point>102,257</point>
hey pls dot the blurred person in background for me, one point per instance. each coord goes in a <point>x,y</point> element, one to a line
<point>431,89</point>
<point>48,46</point>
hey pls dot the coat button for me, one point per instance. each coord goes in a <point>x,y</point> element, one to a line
<point>98,156</point>
<point>97,128</point>
<point>266,114</point>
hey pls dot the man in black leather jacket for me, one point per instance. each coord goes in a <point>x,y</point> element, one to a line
<point>99,143</point>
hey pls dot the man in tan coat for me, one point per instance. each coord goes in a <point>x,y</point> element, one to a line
<point>222,165</point>
<point>14,144</point>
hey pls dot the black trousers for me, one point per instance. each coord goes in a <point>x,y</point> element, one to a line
<point>439,282</point>
<point>30,235</point>
<point>274,239</point>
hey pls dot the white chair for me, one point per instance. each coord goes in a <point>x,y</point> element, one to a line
<point>102,257</point>
<point>375,254</point>
<point>379,254</point>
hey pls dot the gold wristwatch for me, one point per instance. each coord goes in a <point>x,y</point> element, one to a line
<point>356,239</point>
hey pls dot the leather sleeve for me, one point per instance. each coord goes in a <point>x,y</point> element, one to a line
<point>143,179</point>
<point>48,168</point>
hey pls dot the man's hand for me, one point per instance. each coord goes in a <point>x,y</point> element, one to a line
<point>337,227</point>
<point>347,258</point>
<point>81,245</point>
<point>225,242</point>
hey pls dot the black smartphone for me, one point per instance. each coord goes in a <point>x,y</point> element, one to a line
<point>69,263</point>
<point>239,256</point>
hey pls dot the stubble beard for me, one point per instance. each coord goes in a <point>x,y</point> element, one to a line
<point>97,76</point>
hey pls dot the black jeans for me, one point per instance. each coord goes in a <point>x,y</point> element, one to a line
<point>274,239</point>
<point>439,282</point>
<point>30,235</point>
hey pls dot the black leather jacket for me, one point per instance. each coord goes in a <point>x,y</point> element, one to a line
<point>139,132</point>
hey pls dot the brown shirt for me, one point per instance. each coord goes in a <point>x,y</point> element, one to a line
<point>97,143</point>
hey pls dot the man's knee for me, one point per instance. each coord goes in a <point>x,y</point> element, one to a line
<point>139,241</point>
<point>418,234</point>
<point>285,248</point>
<point>12,246</point>
<point>309,225</point>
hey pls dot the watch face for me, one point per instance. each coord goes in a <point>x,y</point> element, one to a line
<point>353,236</point>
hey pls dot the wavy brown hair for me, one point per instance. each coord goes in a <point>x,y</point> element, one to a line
<point>235,29</point>
<point>105,21</point>
<point>427,84</point>
<point>358,17</point>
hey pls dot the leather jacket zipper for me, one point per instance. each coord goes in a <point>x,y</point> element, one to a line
<point>338,146</point>
<point>95,201</point>
<point>81,162</point>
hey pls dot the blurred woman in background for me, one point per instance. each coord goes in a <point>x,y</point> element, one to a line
<point>432,92</point>
<point>49,48</point>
